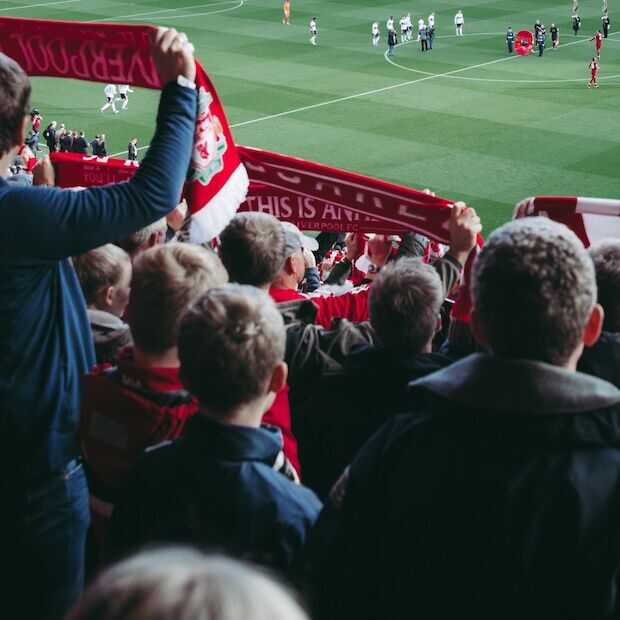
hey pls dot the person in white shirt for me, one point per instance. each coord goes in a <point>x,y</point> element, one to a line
<point>420,26</point>
<point>123,91</point>
<point>314,31</point>
<point>403,28</point>
<point>110,95</point>
<point>389,24</point>
<point>375,34</point>
<point>458,23</point>
<point>409,27</point>
<point>431,20</point>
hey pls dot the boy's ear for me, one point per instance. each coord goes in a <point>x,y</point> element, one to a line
<point>278,378</point>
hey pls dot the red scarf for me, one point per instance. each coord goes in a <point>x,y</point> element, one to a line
<point>121,54</point>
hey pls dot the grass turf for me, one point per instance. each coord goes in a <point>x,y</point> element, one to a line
<point>492,131</point>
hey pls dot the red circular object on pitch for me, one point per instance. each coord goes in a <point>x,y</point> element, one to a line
<point>524,42</point>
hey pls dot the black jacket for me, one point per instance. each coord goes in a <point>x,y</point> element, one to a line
<point>499,498</point>
<point>603,359</point>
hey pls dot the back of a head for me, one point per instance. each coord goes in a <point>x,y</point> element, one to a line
<point>166,280</point>
<point>182,584</point>
<point>405,302</point>
<point>253,248</point>
<point>99,269</point>
<point>146,237</point>
<point>533,289</point>
<point>230,341</point>
<point>14,102</point>
<point>606,258</point>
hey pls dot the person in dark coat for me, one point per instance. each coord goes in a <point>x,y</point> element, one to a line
<point>66,142</point>
<point>49,135</point>
<point>498,494</point>
<point>225,484</point>
<point>603,358</point>
<point>392,41</point>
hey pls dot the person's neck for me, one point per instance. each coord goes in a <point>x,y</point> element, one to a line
<point>6,160</point>
<point>166,359</point>
<point>286,281</point>
<point>249,415</point>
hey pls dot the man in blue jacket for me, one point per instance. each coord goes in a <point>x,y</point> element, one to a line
<point>499,496</point>
<point>45,341</point>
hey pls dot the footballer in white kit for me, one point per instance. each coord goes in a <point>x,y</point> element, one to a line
<point>314,31</point>
<point>458,23</point>
<point>123,91</point>
<point>409,26</point>
<point>376,35</point>
<point>110,95</point>
<point>431,20</point>
<point>389,24</point>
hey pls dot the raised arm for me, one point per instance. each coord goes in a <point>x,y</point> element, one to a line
<point>50,223</point>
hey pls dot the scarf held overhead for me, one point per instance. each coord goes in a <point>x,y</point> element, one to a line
<point>121,54</point>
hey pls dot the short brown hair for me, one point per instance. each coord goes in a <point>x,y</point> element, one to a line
<point>253,248</point>
<point>100,268</point>
<point>533,289</point>
<point>405,302</point>
<point>606,257</point>
<point>14,102</point>
<point>169,584</point>
<point>166,280</point>
<point>230,341</point>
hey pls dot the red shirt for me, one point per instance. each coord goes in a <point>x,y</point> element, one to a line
<point>598,40</point>
<point>352,305</point>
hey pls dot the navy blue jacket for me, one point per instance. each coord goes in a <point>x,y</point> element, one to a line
<point>500,498</point>
<point>45,340</point>
<point>217,487</point>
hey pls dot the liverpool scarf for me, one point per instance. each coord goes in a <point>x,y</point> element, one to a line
<point>121,54</point>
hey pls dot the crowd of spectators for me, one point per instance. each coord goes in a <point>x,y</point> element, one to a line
<point>157,393</point>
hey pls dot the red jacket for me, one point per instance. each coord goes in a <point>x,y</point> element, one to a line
<point>124,410</point>
<point>352,305</point>
<point>127,408</point>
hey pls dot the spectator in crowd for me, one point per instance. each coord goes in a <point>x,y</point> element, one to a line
<point>499,496</point>
<point>94,144</point>
<point>145,238</point>
<point>603,358</point>
<point>253,250</point>
<point>105,277</point>
<point>225,484</point>
<point>66,142</point>
<point>142,398</point>
<point>98,146</point>
<point>80,145</point>
<point>49,135</point>
<point>336,415</point>
<point>182,584</point>
<point>45,340</point>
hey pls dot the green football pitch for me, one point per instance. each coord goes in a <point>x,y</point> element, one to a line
<point>465,120</point>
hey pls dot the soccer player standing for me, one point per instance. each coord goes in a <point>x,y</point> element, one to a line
<point>555,35</point>
<point>606,22</point>
<point>598,43</point>
<point>576,23</point>
<point>459,20</point>
<point>376,35</point>
<point>594,68</point>
<point>123,91</point>
<point>314,31</point>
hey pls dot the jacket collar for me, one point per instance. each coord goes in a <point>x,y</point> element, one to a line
<point>487,382</point>
<point>152,379</point>
<point>100,318</point>
<point>227,442</point>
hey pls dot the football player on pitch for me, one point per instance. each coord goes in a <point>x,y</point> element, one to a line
<point>594,68</point>
<point>314,31</point>
<point>598,43</point>
<point>376,35</point>
<point>286,19</point>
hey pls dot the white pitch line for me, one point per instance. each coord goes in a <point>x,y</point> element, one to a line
<point>32,6</point>
<point>149,13</point>
<point>230,8</point>
<point>369,93</point>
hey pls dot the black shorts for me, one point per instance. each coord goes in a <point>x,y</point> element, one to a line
<point>123,96</point>
<point>110,99</point>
